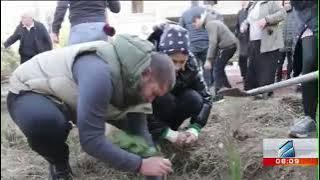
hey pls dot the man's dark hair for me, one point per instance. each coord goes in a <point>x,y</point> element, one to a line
<point>163,69</point>
<point>195,17</point>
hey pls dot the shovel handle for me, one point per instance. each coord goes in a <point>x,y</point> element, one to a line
<point>300,79</point>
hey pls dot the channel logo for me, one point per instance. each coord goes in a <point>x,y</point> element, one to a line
<point>290,152</point>
<point>286,150</point>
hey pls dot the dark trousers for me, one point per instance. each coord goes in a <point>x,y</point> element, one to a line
<point>201,59</point>
<point>45,124</point>
<point>24,59</point>
<point>310,64</point>
<point>171,110</point>
<point>297,59</point>
<point>282,57</point>
<point>223,56</point>
<point>262,66</point>
<point>243,64</point>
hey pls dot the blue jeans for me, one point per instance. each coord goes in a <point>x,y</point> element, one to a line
<point>86,32</point>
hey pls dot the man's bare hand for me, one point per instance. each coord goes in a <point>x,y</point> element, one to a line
<point>155,166</point>
<point>207,65</point>
<point>243,27</point>
<point>262,23</point>
<point>54,38</point>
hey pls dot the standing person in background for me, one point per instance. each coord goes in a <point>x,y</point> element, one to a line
<point>87,18</point>
<point>222,46</point>
<point>265,41</point>
<point>34,37</point>
<point>306,12</point>
<point>243,40</point>
<point>288,33</point>
<point>199,39</point>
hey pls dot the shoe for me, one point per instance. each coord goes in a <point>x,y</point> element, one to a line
<point>303,128</point>
<point>299,88</point>
<point>262,96</point>
<point>61,172</point>
<point>217,99</point>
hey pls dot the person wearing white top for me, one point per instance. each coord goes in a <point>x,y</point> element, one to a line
<point>265,36</point>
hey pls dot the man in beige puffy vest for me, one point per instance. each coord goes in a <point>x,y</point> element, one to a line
<point>89,84</point>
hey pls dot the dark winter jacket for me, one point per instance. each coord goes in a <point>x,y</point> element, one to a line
<point>83,11</point>
<point>307,13</point>
<point>190,78</point>
<point>305,16</point>
<point>243,37</point>
<point>38,33</point>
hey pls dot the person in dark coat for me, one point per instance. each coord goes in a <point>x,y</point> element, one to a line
<point>243,40</point>
<point>34,37</point>
<point>306,14</point>
<point>288,35</point>
<point>189,98</point>
<point>88,20</point>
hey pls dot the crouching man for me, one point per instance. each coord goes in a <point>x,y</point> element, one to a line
<point>188,99</point>
<point>87,84</point>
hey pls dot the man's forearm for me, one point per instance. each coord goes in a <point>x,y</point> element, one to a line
<point>91,71</point>
<point>59,14</point>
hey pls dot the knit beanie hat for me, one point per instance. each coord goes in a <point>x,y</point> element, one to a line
<point>174,39</point>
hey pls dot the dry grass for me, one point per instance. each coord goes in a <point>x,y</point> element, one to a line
<point>227,148</point>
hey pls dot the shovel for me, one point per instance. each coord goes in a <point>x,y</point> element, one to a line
<point>236,92</point>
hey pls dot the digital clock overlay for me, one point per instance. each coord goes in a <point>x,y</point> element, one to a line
<point>290,152</point>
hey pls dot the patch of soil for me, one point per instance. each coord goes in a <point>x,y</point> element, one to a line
<point>235,129</point>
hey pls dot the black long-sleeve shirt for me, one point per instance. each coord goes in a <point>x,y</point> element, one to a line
<point>83,11</point>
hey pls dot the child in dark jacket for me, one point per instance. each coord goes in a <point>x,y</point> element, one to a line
<point>188,99</point>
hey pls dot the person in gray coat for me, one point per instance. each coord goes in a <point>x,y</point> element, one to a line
<point>288,35</point>
<point>222,46</point>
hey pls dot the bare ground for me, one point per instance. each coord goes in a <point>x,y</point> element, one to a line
<point>236,124</point>
<point>233,135</point>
